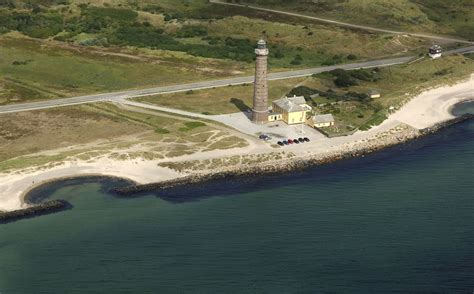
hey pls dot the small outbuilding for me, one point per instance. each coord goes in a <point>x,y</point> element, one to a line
<point>435,51</point>
<point>321,121</point>
<point>374,94</point>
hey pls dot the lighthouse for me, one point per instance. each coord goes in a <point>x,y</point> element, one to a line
<point>260,94</point>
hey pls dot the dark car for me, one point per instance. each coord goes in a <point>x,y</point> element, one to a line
<point>290,141</point>
<point>301,140</point>
<point>285,142</point>
<point>280,143</point>
<point>262,137</point>
<point>296,141</point>
<point>306,139</point>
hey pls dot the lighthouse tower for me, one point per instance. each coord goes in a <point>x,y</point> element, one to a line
<point>260,94</point>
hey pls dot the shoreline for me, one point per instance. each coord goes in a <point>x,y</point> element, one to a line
<point>266,170</point>
<point>431,110</point>
<point>29,197</point>
<point>274,169</point>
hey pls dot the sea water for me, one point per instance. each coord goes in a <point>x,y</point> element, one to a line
<point>398,221</point>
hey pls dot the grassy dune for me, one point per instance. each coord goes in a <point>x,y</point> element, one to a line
<point>89,131</point>
<point>31,69</point>
<point>85,47</point>
<point>436,16</point>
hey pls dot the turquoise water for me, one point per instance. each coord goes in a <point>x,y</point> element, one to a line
<point>397,221</point>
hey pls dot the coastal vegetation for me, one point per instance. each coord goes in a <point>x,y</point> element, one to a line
<point>345,94</point>
<point>101,46</point>
<point>92,131</point>
<point>31,69</point>
<point>435,16</point>
<point>342,93</point>
<point>222,100</point>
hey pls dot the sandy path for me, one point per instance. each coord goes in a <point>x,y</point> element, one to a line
<point>425,110</point>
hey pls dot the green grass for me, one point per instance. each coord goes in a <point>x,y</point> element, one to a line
<point>220,100</point>
<point>375,120</point>
<point>436,16</point>
<point>46,71</point>
<point>149,43</point>
<point>189,126</point>
<point>316,44</point>
<point>162,131</point>
<point>397,84</point>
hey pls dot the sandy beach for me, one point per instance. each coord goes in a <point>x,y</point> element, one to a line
<point>423,111</point>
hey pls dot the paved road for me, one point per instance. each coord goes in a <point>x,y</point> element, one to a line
<point>349,25</point>
<point>120,96</point>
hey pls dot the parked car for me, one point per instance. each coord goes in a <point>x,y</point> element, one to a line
<point>306,139</point>
<point>280,143</point>
<point>285,142</point>
<point>296,141</point>
<point>290,141</point>
<point>301,140</point>
<point>264,137</point>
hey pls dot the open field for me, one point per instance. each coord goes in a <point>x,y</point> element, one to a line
<point>85,47</point>
<point>31,69</point>
<point>309,44</point>
<point>88,131</point>
<point>434,16</point>
<point>220,100</point>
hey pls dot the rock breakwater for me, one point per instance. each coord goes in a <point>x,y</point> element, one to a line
<point>34,211</point>
<point>398,135</point>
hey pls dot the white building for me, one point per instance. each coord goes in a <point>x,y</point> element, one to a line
<point>321,121</point>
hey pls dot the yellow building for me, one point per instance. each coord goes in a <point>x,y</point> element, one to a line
<point>291,110</point>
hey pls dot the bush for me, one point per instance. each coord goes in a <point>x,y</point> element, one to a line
<point>295,62</point>
<point>153,8</point>
<point>191,31</point>
<point>442,72</point>
<point>357,96</point>
<point>278,54</point>
<point>363,75</point>
<point>344,82</point>
<point>351,57</point>
<point>303,91</point>
<point>115,14</point>
<point>161,131</point>
<point>40,25</point>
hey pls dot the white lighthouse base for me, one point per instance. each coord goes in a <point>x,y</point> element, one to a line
<point>435,56</point>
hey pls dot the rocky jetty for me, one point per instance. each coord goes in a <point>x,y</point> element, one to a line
<point>448,123</point>
<point>273,167</point>
<point>34,211</point>
<point>398,135</point>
